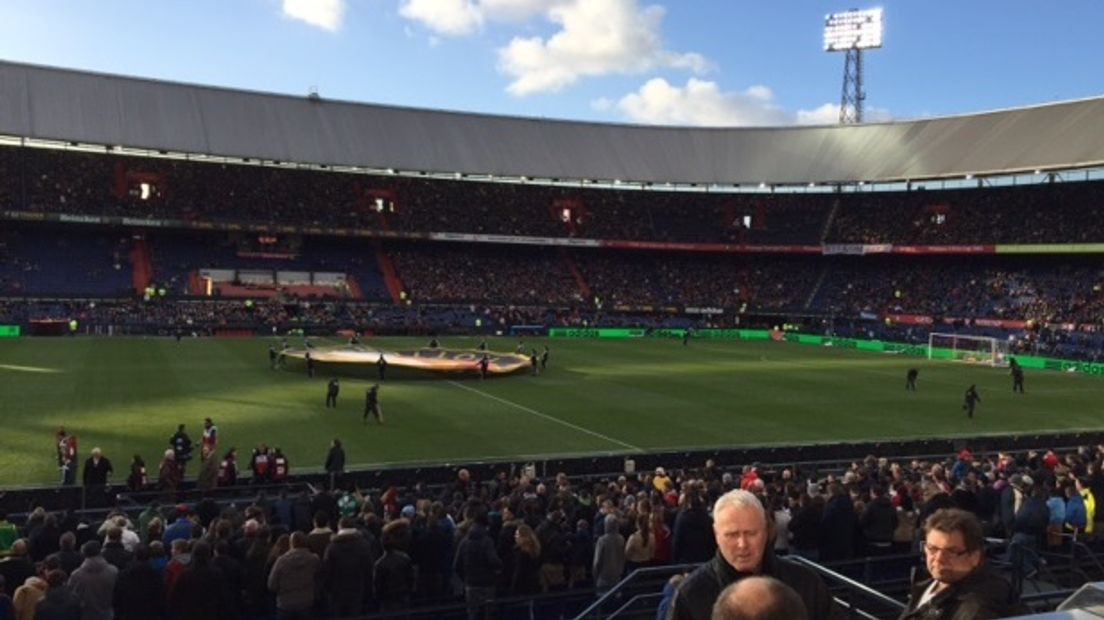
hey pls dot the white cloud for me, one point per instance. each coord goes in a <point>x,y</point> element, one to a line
<point>447,17</point>
<point>455,18</point>
<point>703,103</point>
<point>596,37</point>
<point>325,14</point>
<point>828,114</point>
<point>602,104</point>
<point>592,38</point>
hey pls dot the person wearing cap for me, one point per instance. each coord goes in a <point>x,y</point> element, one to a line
<point>961,584</point>
<point>94,583</point>
<point>1029,523</point>
<point>661,481</point>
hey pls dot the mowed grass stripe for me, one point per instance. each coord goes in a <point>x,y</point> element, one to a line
<point>127,395</point>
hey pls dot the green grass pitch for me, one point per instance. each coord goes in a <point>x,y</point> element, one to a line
<point>127,395</point>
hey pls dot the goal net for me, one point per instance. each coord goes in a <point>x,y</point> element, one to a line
<point>970,349</point>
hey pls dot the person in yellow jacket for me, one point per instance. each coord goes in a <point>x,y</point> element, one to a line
<point>1090,505</point>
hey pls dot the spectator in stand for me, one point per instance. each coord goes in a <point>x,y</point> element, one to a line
<point>94,583</point>
<point>347,565</point>
<point>478,564</point>
<point>742,532</point>
<point>961,585</point>
<point>759,598</point>
<point>63,602</point>
<point>17,567</point>
<point>113,551</point>
<point>139,591</point>
<point>199,592</point>
<point>294,579</point>
<point>67,557</point>
<point>692,542</point>
<point>26,597</point>
<point>394,578</point>
<point>526,574</point>
<point>609,555</point>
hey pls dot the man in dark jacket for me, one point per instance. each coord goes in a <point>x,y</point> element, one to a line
<point>838,525</point>
<point>692,542</point>
<point>477,564</point>
<point>348,564</point>
<point>961,586</point>
<point>139,590</point>
<point>394,577</point>
<point>113,550</point>
<point>878,522</point>
<point>742,532</point>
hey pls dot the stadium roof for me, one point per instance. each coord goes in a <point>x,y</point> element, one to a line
<point>67,105</point>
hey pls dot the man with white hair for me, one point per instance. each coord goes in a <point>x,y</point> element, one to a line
<point>96,469</point>
<point>743,534</point>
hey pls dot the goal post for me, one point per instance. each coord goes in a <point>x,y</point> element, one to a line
<point>969,349</point>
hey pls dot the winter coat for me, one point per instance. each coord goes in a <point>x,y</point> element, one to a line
<point>94,584</point>
<point>609,555</point>
<point>697,593</point>
<point>981,595</point>
<point>293,579</point>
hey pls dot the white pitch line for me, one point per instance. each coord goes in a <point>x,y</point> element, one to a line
<point>548,417</point>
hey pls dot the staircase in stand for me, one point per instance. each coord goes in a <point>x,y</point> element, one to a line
<point>141,266</point>
<point>584,288</point>
<point>828,220</point>
<point>390,275</point>
<point>354,287</point>
<point>816,289</point>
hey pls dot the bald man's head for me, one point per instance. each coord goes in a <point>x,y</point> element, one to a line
<point>759,598</point>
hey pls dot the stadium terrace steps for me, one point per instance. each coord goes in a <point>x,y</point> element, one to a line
<point>584,288</point>
<point>141,266</point>
<point>390,275</point>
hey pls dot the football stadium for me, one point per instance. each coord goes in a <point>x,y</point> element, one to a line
<point>331,359</point>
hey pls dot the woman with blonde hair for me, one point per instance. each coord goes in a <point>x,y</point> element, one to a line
<point>640,548</point>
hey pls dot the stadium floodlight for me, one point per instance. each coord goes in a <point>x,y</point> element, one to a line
<point>852,32</point>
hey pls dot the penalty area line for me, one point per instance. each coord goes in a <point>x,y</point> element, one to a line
<point>549,418</point>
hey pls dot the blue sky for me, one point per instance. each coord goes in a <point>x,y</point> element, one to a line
<point>693,62</point>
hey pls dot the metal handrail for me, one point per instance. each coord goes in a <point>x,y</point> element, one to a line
<point>632,601</point>
<point>640,572</point>
<point>847,581</point>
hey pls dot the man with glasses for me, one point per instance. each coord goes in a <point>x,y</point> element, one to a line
<point>962,586</point>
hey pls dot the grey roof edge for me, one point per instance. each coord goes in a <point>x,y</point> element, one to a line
<point>69,105</point>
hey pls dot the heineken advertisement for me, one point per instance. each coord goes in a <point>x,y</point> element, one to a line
<point>9,331</point>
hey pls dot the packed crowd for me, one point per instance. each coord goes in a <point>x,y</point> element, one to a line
<point>1045,290</point>
<point>347,551</point>
<point>87,184</point>
<point>524,275</point>
<point>1051,213</point>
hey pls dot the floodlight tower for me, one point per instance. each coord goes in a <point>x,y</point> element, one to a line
<point>852,32</point>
